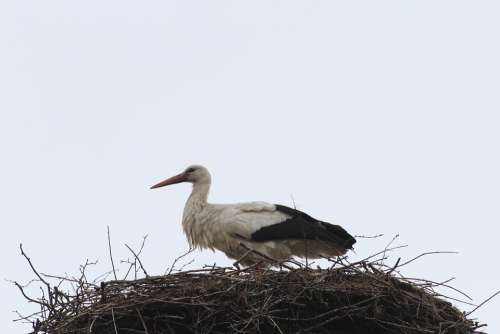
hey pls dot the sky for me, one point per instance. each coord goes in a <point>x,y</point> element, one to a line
<point>380,116</point>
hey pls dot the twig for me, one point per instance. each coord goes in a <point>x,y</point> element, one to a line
<point>111,254</point>
<point>388,245</point>
<point>134,264</point>
<point>139,260</point>
<point>27,297</point>
<point>293,201</point>
<point>394,267</point>
<point>189,251</point>
<point>436,284</point>
<point>275,325</point>
<point>427,253</point>
<point>114,321</point>
<point>32,267</point>
<point>376,254</point>
<point>142,321</point>
<point>92,324</point>
<point>484,302</point>
<point>369,236</point>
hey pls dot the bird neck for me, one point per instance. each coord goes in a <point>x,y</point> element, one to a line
<point>195,204</point>
<point>199,195</point>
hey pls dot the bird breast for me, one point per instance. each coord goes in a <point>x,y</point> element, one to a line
<point>204,229</point>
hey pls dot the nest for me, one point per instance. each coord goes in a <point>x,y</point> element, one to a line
<point>348,298</point>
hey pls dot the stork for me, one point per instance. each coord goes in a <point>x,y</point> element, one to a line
<point>254,232</point>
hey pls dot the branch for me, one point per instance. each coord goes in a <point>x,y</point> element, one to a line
<point>111,254</point>
<point>427,253</point>
<point>32,267</point>
<point>487,300</point>
<point>139,260</point>
<point>190,250</point>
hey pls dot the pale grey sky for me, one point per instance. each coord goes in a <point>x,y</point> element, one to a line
<point>382,116</point>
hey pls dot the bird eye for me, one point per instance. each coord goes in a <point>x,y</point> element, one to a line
<point>190,170</point>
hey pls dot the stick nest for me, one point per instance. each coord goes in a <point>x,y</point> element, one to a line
<point>346,299</point>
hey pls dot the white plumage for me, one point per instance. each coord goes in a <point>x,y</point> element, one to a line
<point>254,232</point>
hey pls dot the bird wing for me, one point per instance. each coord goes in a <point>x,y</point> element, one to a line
<point>256,207</point>
<point>300,225</point>
<point>243,219</point>
<point>260,222</point>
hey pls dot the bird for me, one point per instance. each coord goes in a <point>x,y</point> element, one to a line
<point>254,233</point>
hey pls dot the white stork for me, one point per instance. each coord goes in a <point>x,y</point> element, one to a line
<point>254,232</point>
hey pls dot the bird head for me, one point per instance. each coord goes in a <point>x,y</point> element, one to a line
<point>192,174</point>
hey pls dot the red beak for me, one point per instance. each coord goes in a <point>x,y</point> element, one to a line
<point>173,180</point>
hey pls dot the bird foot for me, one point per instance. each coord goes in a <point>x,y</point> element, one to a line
<point>237,265</point>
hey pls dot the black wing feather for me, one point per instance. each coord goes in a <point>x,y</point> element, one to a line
<point>303,226</point>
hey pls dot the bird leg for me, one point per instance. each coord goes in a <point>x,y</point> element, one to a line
<point>265,257</point>
<point>260,266</point>
<point>237,262</point>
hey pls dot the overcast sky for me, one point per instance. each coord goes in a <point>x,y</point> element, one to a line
<point>380,116</point>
